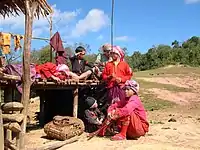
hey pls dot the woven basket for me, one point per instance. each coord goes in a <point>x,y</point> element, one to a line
<point>64,127</point>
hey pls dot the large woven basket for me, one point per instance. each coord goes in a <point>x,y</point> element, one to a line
<point>64,127</point>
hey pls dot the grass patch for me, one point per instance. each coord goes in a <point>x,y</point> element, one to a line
<point>152,103</point>
<point>150,85</point>
<point>172,71</point>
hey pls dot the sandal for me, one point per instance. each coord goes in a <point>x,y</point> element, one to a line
<point>118,137</point>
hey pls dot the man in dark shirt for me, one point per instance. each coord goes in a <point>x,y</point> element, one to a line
<point>79,63</point>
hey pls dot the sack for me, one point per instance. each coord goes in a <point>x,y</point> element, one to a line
<point>64,127</point>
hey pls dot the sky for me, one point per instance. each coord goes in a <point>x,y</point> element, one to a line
<point>138,24</point>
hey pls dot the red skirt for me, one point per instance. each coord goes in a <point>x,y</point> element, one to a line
<point>137,127</point>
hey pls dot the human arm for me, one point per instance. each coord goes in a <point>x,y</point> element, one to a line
<point>91,65</point>
<point>127,74</point>
<point>71,58</point>
<point>75,56</point>
<point>91,118</point>
<point>113,106</point>
<point>106,73</point>
<point>98,59</point>
<point>101,116</point>
<point>128,108</point>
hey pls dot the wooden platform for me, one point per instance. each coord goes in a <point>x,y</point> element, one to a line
<point>5,81</point>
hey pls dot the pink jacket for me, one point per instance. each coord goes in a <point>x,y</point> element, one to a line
<point>132,104</point>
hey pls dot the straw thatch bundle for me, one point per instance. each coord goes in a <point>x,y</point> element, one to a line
<point>14,7</point>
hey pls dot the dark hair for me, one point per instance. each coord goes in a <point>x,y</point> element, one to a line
<point>80,49</point>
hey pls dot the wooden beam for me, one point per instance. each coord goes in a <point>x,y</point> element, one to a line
<point>57,144</point>
<point>30,10</point>
<point>75,103</point>
<point>10,145</point>
<point>13,117</point>
<point>1,132</point>
<point>9,77</point>
<point>66,84</point>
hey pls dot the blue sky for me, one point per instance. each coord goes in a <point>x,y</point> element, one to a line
<point>138,24</point>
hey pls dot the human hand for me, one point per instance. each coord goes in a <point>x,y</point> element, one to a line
<point>78,53</point>
<point>99,122</point>
<point>56,79</point>
<point>109,77</point>
<point>113,75</point>
<point>111,114</point>
<point>96,69</point>
<point>103,64</point>
<point>118,80</point>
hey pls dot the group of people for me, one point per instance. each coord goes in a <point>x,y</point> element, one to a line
<point>60,71</point>
<point>125,108</point>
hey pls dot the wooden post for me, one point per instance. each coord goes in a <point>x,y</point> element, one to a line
<point>51,28</point>
<point>75,104</point>
<point>42,113</point>
<point>1,132</point>
<point>30,9</point>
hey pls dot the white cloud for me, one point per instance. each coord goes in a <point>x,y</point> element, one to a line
<point>94,21</point>
<point>191,1</point>
<point>65,22</point>
<point>122,38</point>
<point>40,27</point>
<point>13,23</point>
<point>100,37</point>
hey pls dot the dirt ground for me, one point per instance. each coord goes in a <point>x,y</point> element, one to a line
<point>176,128</point>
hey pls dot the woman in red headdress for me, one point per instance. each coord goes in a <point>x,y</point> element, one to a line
<point>116,73</point>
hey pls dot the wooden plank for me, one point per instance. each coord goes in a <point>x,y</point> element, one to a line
<point>9,77</point>
<point>1,132</point>
<point>75,103</point>
<point>56,145</point>
<point>66,84</point>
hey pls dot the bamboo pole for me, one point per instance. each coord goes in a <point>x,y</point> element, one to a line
<point>30,9</point>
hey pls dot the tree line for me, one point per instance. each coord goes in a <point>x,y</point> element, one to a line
<point>186,53</point>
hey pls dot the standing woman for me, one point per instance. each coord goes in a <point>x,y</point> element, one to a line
<point>116,73</point>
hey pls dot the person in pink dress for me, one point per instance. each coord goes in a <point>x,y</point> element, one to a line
<point>130,114</point>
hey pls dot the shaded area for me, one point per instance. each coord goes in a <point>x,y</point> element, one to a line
<point>60,102</point>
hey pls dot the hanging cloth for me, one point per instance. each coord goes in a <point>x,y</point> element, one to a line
<point>5,42</point>
<point>17,41</point>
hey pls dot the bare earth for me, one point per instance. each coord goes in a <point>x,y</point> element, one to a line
<point>182,133</point>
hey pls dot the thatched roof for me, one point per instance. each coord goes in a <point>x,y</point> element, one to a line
<point>14,7</point>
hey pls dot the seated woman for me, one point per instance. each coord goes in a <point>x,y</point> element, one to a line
<point>57,73</point>
<point>129,114</point>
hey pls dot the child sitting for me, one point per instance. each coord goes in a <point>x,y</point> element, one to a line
<point>93,116</point>
<point>130,114</point>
